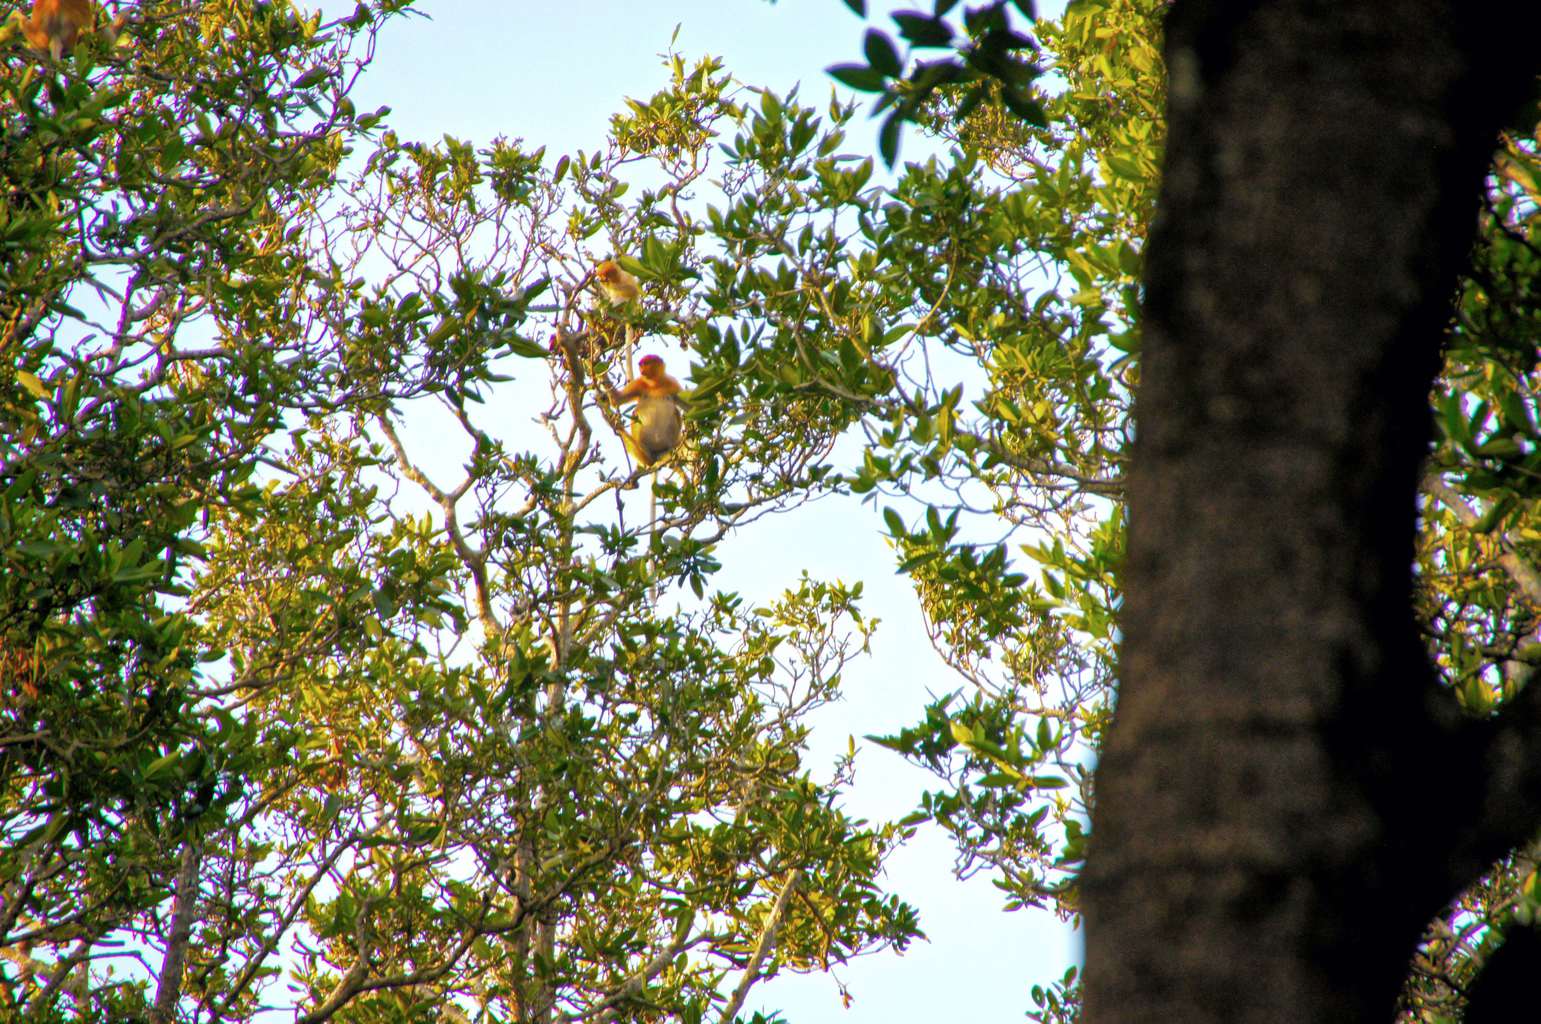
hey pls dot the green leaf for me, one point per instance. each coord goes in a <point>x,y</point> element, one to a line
<point>1029,109</point>
<point>522,346</point>
<point>1123,167</point>
<point>1500,448</point>
<point>858,76</point>
<point>923,30</point>
<point>32,384</point>
<point>898,743</point>
<point>916,561</point>
<point>138,573</point>
<point>312,77</point>
<point>888,138</point>
<point>160,764</point>
<point>882,54</point>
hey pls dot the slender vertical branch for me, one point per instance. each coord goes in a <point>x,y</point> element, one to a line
<point>183,913</point>
<point>763,948</point>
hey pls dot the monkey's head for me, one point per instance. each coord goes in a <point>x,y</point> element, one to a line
<point>609,271</point>
<point>651,366</point>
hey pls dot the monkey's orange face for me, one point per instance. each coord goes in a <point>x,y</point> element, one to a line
<point>651,367</point>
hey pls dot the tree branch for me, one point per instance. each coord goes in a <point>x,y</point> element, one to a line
<point>763,948</point>
<point>184,910</point>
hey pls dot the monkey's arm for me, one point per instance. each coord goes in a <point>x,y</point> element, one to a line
<point>638,388</point>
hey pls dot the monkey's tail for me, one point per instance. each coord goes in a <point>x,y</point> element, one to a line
<point>652,519</point>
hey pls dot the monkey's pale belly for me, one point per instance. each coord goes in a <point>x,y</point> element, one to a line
<point>657,438</point>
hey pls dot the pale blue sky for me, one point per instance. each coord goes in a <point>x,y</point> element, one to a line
<point>553,73</point>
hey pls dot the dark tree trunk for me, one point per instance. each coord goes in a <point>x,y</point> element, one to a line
<point>1286,799</point>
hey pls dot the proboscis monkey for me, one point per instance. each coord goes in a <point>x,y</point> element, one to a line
<point>619,287</point>
<point>56,25</point>
<point>658,421</point>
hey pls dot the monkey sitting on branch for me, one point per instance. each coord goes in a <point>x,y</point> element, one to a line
<point>658,423</point>
<point>618,286</point>
<point>57,25</point>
